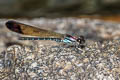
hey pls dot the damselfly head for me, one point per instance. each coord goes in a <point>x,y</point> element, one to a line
<point>81,40</point>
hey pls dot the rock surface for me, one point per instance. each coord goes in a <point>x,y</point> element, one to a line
<point>39,60</point>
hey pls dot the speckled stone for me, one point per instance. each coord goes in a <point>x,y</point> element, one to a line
<point>50,62</point>
<point>37,60</point>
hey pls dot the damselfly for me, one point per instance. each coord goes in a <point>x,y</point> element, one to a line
<point>42,34</point>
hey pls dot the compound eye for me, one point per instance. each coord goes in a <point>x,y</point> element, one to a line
<point>81,40</point>
<point>78,39</point>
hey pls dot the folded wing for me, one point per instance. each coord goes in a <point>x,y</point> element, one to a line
<point>32,31</point>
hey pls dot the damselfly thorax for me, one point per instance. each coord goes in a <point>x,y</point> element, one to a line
<point>41,34</point>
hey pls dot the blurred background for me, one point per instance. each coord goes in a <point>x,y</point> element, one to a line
<point>57,8</point>
<point>97,20</point>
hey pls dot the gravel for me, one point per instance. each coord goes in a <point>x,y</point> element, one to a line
<point>48,60</point>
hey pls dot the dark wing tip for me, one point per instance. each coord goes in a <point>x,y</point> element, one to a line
<point>14,26</point>
<point>9,24</point>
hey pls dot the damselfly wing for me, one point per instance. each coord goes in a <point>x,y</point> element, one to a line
<point>30,30</point>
